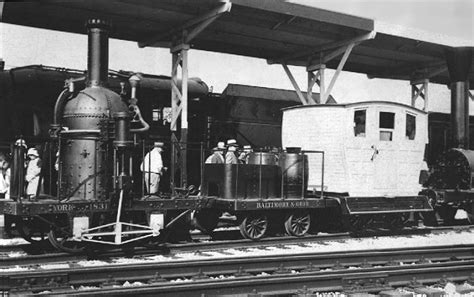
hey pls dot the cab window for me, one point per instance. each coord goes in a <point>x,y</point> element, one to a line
<point>359,123</point>
<point>386,125</point>
<point>410,127</point>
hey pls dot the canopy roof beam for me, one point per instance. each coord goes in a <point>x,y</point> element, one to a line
<point>323,48</point>
<point>193,26</point>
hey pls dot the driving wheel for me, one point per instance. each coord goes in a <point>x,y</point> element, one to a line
<point>254,226</point>
<point>62,241</point>
<point>32,229</point>
<point>297,223</point>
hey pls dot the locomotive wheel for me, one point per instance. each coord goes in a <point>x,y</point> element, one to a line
<point>62,242</point>
<point>206,220</point>
<point>254,226</point>
<point>31,229</point>
<point>297,223</point>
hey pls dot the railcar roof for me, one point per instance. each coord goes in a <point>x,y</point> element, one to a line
<point>359,104</point>
<point>270,29</point>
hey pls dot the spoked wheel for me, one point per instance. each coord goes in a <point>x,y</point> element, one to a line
<point>32,230</point>
<point>297,223</point>
<point>62,241</point>
<point>254,226</point>
<point>206,220</point>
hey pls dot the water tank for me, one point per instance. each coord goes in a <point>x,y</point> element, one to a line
<point>262,158</point>
<point>294,173</point>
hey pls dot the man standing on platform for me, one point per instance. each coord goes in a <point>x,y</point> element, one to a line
<point>230,156</point>
<point>152,167</point>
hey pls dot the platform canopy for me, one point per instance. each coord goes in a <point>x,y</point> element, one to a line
<point>275,30</point>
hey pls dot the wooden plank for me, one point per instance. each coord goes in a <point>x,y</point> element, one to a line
<point>326,47</point>
<point>295,84</point>
<point>336,74</point>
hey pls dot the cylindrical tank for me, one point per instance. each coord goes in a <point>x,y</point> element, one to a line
<point>457,169</point>
<point>262,158</point>
<point>294,173</point>
<point>85,150</point>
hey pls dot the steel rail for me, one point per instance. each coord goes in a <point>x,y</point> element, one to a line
<point>450,260</point>
<point>54,257</point>
<point>304,284</point>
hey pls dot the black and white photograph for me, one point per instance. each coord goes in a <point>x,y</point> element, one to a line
<point>237,148</point>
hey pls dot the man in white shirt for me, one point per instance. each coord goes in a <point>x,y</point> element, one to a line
<point>230,156</point>
<point>5,177</point>
<point>217,156</point>
<point>152,167</point>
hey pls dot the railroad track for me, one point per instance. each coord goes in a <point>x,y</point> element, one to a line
<point>25,255</point>
<point>355,271</point>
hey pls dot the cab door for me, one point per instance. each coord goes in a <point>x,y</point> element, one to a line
<point>385,152</point>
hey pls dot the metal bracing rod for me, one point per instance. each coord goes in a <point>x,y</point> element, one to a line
<point>203,18</point>
<point>338,71</point>
<point>470,95</point>
<point>295,84</point>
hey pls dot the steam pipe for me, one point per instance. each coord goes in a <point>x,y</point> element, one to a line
<point>98,52</point>
<point>459,62</point>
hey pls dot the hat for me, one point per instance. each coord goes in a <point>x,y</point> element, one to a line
<point>158,144</point>
<point>20,142</point>
<point>221,145</point>
<point>232,142</point>
<point>247,148</point>
<point>32,152</point>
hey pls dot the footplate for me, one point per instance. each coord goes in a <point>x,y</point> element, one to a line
<point>377,205</point>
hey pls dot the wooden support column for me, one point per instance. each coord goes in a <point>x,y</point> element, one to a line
<point>311,81</point>
<point>321,82</point>
<point>419,88</point>
<point>184,117</point>
<point>179,108</point>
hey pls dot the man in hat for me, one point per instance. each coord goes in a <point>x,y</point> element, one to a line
<point>33,171</point>
<point>230,156</point>
<point>4,176</point>
<point>152,167</point>
<point>217,156</point>
<point>244,154</point>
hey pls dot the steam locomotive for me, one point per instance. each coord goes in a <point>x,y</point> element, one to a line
<point>97,195</point>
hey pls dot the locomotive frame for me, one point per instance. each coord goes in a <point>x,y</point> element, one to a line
<point>97,142</point>
<point>117,189</point>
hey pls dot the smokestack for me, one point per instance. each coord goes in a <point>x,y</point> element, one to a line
<point>459,62</point>
<point>98,52</point>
